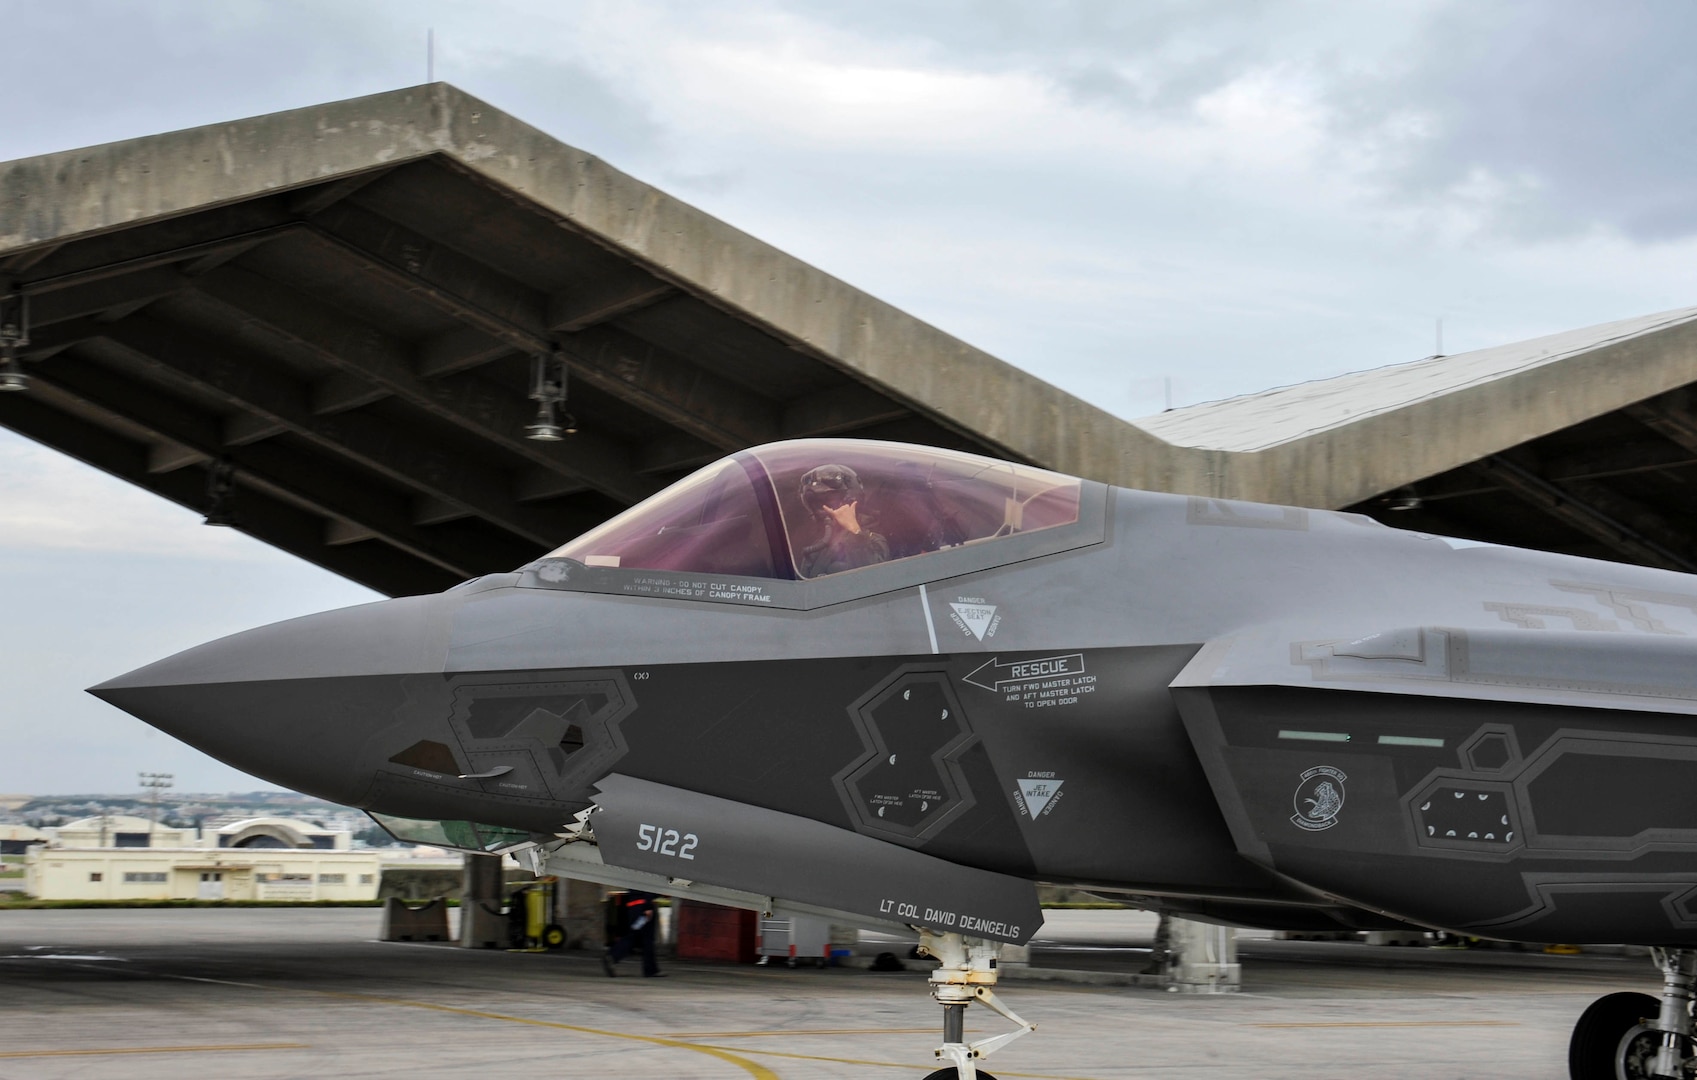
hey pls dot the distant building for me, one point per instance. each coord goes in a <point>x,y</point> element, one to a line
<point>116,857</point>
<point>15,841</point>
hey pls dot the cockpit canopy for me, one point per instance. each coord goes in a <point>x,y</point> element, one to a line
<point>809,508</point>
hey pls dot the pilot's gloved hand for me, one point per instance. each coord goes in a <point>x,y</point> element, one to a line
<point>845,516</point>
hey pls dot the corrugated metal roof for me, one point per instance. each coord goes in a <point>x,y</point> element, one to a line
<point>1286,413</point>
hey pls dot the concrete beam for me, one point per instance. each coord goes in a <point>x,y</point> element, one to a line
<point>247,383</point>
<point>471,291</point>
<point>170,456</point>
<point>103,295</point>
<point>536,485</point>
<point>431,510</point>
<point>244,429</point>
<point>319,484</point>
<point>315,200</point>
<point>49,341</point>
<point>1618,523</point>
<point>338,532</point>
<point>342,392</point>
<point>1670,416</point>
<point>675,452</point>
<point>261,516</point>
<point>1619,458</point>
<point>459,350</point>
<point>605,299</point>
<point>840,409</point>
<point>491,412</point>
<point>685,395</point>
<point>23,260</point>
<point>505,311</point>
<point>204,245</point>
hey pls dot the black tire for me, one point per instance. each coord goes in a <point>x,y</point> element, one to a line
<point>554,936</point>
<point>1600,1050</point>
<point>951,1073</point>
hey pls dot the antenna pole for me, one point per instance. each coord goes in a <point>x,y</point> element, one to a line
<point>154,782</point>
<point>430,55</point>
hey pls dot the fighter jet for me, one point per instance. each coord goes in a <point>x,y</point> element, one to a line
<point>901,685</point>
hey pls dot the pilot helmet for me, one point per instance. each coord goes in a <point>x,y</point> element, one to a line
<point>829,485</point>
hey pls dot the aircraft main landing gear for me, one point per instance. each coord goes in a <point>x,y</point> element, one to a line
<point>1635,1036</point>
<point>967,973</point>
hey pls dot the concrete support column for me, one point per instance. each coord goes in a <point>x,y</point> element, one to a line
<point>1202,958</point>
<point>577,908</point>
<point>482,925</point>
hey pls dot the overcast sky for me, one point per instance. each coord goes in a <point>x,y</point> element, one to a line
<point>1110,195</point>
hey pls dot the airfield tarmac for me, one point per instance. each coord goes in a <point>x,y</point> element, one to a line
<point>263,993</point>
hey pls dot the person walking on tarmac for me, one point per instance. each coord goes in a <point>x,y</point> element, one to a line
<point>640,920</point>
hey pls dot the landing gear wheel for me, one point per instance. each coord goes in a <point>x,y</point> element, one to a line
<point>951,1074</point>
<point>1613,1039</point>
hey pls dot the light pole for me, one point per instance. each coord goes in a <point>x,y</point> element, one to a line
<point>154,782</point>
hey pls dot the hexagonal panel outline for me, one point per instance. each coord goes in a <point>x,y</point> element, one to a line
<point>540,734</point>
<point>1466,815</point>
<point>1491,749</point>
<point>907,784</point>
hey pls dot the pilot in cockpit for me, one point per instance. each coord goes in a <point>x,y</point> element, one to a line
<point>832,494</point>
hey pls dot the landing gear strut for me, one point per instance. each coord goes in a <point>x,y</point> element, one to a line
<point>967,973</point>
<point>1635,1036</point>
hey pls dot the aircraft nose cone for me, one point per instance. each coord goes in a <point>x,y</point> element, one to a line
<point>294,702</point>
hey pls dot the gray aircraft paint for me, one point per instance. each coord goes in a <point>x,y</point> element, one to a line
<point>1182,671</point>
<point>683,834</point>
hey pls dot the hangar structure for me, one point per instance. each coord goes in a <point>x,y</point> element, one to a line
<point>343,328</point>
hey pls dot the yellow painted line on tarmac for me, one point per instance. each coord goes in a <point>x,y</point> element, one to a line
<point>754,1069</point>
<point>105,1051</point>
<point>799,1031</point>
<point>1392,1024</point>
<point>893,1064</point>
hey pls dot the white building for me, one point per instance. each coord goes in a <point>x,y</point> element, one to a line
<point>15,841</point>
<point>114,857</point>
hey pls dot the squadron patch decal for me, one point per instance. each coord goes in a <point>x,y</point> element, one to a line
<point>1318,798</point>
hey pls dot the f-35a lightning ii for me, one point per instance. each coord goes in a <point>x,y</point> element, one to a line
<point>901,685</point>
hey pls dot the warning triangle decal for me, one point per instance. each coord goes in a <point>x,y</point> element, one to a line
<point>1037,794</point>
<point>976,617</point>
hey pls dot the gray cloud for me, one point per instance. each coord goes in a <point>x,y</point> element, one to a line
<point>93,71</point>
<point>1548,117</point>
<point>1590,105</point>
<point>572,103</point>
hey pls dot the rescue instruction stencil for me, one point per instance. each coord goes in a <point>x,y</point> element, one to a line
<point>1040,683</point>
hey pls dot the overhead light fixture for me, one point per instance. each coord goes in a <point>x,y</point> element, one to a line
<point>1406,499</point>
<point>548,390</point>
<point>14,335</point>
<point>220,489</point>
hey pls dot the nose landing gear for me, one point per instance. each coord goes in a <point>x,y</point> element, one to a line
<point>1635,1036</point>
<point>967,973</point>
